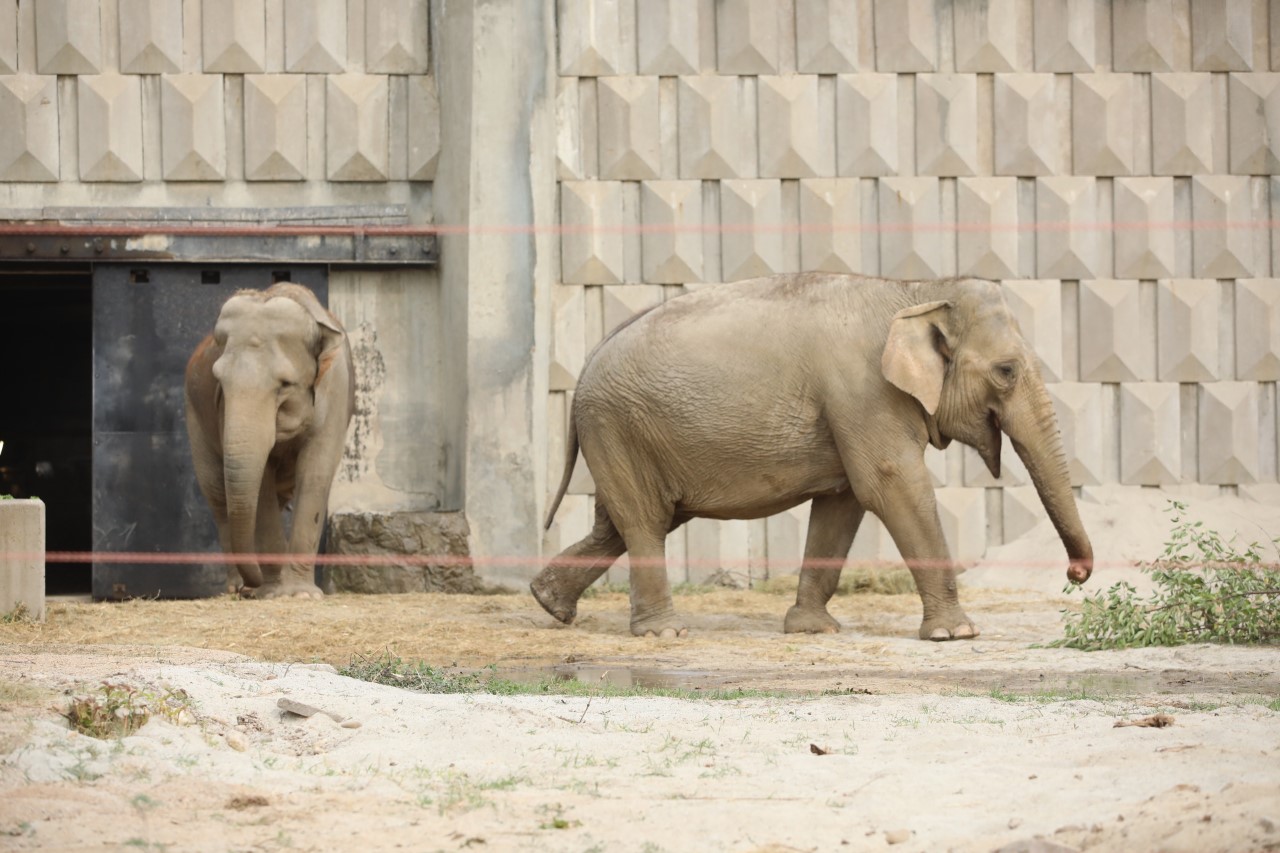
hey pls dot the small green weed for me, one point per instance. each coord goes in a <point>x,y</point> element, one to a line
<point>119,710</point>
<point>19,613</point>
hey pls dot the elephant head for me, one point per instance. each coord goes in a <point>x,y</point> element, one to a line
<point>276,347</point>
<point>964,359</point>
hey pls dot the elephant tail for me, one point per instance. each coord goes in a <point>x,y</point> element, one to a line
<point>570,460</point>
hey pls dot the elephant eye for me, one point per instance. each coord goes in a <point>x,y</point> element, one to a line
<point>1007,372</point>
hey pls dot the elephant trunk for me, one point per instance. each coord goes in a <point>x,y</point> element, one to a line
<point>248,436</point>
<point>1033,429</point>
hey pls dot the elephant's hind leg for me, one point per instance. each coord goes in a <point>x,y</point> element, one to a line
<point>833,522</point>
<point>561,583</point>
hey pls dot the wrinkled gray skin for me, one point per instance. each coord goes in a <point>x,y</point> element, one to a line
<point>268,397</point>
<point>743,400</point>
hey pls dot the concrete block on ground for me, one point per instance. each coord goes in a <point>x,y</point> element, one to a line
<point>235,37</point>
<point>988,245</point>
<point>1066,35</point>
<point>747,36</point>
<point>717,128</point>
<point>1225,251</point>
<point>1144,243</point>
<point>830,219</point>
<point>1229,442</point>
<point>867,124</point>
<point>275,106</point>
<point>1253,105</point>
<point>1102,120</point>
<point>947,124</point>
<point>29,138</point>
<point>797,139</point>
<point>396,37</point>
<point>22,532</point>
<point>192,128</point>
<point>1187,329</point>
<point>1258,329</point>
<point>826,36</point>
<point>109,116</point>
<point>1150,433</point>
<point>911,244</point>
<point>1182,126</point>
<point>629,129</point>
<point>1032,130</point>
<point>357,141</point>
<point>68,37</point>
<point>1037,306</point>
<point>906,35</point>
<point>150,36</point>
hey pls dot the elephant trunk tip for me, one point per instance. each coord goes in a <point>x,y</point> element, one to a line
<point>1081,566</point>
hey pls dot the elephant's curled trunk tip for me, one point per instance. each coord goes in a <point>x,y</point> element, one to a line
<point>1080,569</point>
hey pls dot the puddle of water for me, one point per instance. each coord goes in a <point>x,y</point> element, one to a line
<point>623,677</point>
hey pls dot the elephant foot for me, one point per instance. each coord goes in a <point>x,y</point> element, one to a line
<point>665,627</point>
<point>562,608</point>
<point>809,620</point>
<point>284,590</point>
<point>952,625</point>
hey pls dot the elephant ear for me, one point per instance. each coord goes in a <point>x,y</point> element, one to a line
<point>915,354</point>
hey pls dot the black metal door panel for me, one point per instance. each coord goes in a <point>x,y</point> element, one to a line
<point>146,322</point>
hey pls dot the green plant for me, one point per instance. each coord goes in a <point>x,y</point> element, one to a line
<point>19,613</point>
<point>1207,590</point>
<point>118,710</point>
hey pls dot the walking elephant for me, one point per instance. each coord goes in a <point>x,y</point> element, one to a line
<point>743,400</point>
<point>269,395</point>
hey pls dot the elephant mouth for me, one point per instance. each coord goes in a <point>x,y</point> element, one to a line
<point>990,451</point>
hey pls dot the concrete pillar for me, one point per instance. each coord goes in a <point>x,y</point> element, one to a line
<point>495,61</point>
<point>22,556</point>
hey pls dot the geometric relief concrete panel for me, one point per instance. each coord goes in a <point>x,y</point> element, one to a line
<point>591,250</point>
<point>963,513</point>
<point>751,213</point>
<point>867,124</point>
<point>29,133</point>
<point>629,139</point>
<point>717,122</point>
<point>671,239</point>
<point>1031,130</point>
<point>1012,471</point>
<point>590,37</point>
<point>797,137</point>
<point>150,36</point>
<point>1222,243</point>
<point>1258,329</point>
<point>192,128</point>
<point>1022,510</point>
<point>1222,35</point>
<point>826,36</point>
<point>746,36</point>
<point>1067,242</point>
<point>68,36</point>
<point>988,33</point>
<point>110,120</point>
<point>568,338</point>
<point>356,142</point>
<point>1254,109</point>
<point>1066,35</point>
<point>988,244</point>
<point>315,35</point>
<point>906,35</point>
<point>1187,329</point>
<point>1228,429</point>
<point>1079,407</point>
<point>1150,433</point>
<point>1148,35</point>
<point>275,109</point>
<point>1102,124</point>
<point>1144,238</point>
<point>424,127</point>
<point>667,37</point>
<point>830,216</point>
<point>1182,112</point>
<point>8,39</point>
<point>621,302</point>
<point>946,124</point>
<point>235,36</point>
<point>911,242</point>
<point>1115,336</point>
<point>396,37</point>
<point>1037,306</point>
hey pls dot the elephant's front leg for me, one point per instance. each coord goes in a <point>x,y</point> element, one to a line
<point>296,578</point>
<point>833,522</point>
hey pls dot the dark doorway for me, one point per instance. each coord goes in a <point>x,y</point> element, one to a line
<point>46,407</point>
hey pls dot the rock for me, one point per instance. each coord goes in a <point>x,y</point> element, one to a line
<point>392,534</point>
<point>350,724</point>
<point>897,836</point>
<point>237,741</point>
<point>292,706</point>
<point>1015,822</point>
<point>1268,825</point>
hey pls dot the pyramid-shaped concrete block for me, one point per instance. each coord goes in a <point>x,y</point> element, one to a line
<point>798,139</point>
<point>1222,244</point>
<point>1258,329</point>
<point>873,544</point>
<point>867,124</point>
<point>717,128</point>
<point>1080,411</point>
<point>621,302</point>
<point>715,546</point>
<point>8,39</point>
<point>424,128</point>
<point>1012,471</point>
<point>1102,119</point>
<point>275,114</point>
<point>1150,433</point>
<point>667,37</point>
<point>785,535</point>
<point>109,115</point>
<point>751,243</point>
<point>150,36</point>
<point>356,140</point>
<point>1066,35</point>
<point>747,36</point>
<point>68,37</point>
<point>671,240</point>
<point>1222,35</point>
<point>1037,306</point>
<point>572,139</point>
<point>987,243</point>
<point>963,513</point>
<point>396,36</point>
<point>1152,35</point>
<point>1253,104</point>
<point>1182,121</point>
<point>1033,130</point>
<point>192,128</point>
<point>906,35</point>
<point>1066,216</point>
<point>591,244</point>
<point>910,239</point>
<point>827,36</point>
<point>1187,313</point>
<point>315,36</point>
<point>568,348</point>
<point>1021,510</point>
<point>590,38</point>
<point>1229,442</point>
<point>992,36</point>
<point>947,124</point>
<point>234,36</point>
<point>830,225</point>
<point>1117,331</point>
<point>1144,236</point>
<point>29,135</point>
<point>630,128</point>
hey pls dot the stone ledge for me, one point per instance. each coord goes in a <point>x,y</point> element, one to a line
<point>393,534</point>
<point>22,574</point>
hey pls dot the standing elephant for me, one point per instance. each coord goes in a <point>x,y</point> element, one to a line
<point>743,400</point>
<point>268,397</point>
